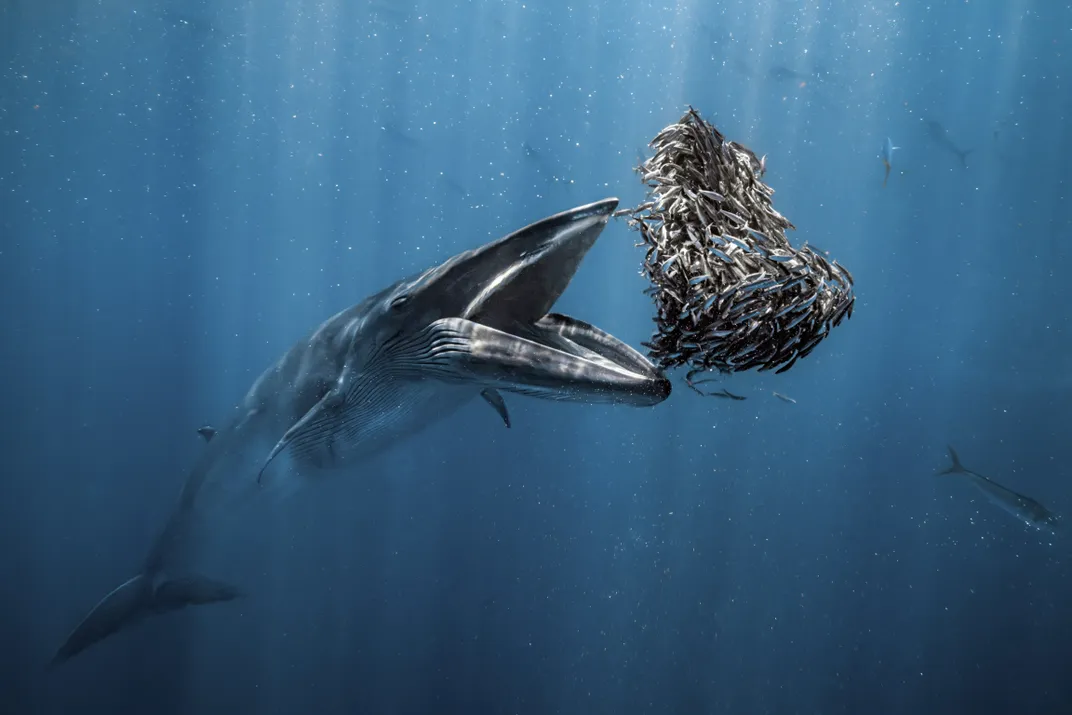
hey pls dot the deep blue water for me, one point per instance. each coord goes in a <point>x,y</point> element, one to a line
<point>187,188</point>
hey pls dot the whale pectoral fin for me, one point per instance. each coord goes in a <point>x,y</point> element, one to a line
<point>461,350</point>
<point>493,398</point>
<point>313,430</point>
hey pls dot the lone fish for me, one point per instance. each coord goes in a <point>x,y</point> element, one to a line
<point>887,158</point>
<point>1024,508</point>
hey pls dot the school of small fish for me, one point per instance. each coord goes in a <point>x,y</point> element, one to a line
<point>731,293</point>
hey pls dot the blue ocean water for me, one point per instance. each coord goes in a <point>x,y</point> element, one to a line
<point>186,189</point>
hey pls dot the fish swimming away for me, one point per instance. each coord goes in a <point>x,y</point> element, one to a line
<point>781,73</point>
<point>784,398</point>
<point>1024,508</point>
<point>939,134</point>
<point>695,385</point>
<point>399,137</point>
<point>726,393</point>
<point>385,10</point>
<point>887,158</point>
<point>478,324</point>
<point>181,20</point>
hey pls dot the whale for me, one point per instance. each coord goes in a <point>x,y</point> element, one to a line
<point>478,326</point>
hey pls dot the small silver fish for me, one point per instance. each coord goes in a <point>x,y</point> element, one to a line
<point>721,254</point>
<point>743,246</point>
<point>788,365</point>
<point>844,270</point>
<point>752,315</point>
<point>718,240</point>
<point>725,393</point>
<point>796,321</point>
<point>733,217</point>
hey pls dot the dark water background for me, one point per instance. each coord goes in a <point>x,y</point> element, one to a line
<point>185,189</point>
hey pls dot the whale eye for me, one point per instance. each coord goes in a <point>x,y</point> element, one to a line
<point>400,302</point>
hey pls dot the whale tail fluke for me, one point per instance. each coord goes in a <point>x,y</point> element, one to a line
<point>134,600</point>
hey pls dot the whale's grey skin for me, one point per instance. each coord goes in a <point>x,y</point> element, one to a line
<point>477,325</point>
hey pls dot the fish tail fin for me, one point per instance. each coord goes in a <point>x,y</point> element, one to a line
<point>964,157</point>
<point>134,600</point>
<point>956,467</point>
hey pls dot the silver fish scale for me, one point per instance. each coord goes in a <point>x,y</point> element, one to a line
<point>731,293</point>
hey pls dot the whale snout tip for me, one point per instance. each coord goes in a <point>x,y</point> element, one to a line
<point>599,209</point>
<point>662,388</point>
<point>655,391</point>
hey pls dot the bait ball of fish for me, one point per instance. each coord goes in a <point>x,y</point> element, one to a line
<point>731,293</point>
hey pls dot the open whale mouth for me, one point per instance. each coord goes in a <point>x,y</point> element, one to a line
<point>506,336</point>
<point>483,319</point>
